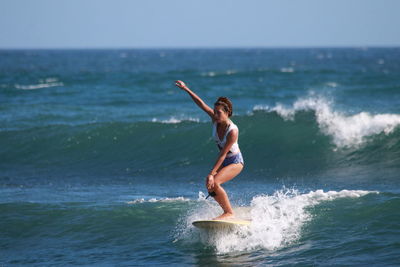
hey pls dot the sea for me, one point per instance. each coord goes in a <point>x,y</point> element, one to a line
<point>103,159</point>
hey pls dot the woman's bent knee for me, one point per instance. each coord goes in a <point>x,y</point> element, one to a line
<point>216,187</point>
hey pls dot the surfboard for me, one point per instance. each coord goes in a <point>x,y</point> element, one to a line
<point>221,223</point>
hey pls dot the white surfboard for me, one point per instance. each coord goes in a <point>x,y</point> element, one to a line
<point>221,223</point>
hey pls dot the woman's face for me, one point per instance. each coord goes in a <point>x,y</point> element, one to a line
<point>220,114</point>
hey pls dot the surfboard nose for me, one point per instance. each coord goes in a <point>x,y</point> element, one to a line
<point>221,223</point>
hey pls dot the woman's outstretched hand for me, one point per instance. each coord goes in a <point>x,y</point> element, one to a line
<point>180,84</point>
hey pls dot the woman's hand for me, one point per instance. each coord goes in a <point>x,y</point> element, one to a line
<point>181,84</point>
<point>210,182</point>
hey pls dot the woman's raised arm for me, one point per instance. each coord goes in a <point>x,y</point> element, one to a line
<point>196,99</point>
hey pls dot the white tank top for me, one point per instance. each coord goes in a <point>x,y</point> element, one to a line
<point>221,143</point>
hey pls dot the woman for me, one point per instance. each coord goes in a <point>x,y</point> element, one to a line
<point>230,161</point>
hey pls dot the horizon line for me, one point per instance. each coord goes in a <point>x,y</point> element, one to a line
<point>203,47</point>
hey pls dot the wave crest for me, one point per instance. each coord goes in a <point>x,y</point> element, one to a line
<point>345,130</point>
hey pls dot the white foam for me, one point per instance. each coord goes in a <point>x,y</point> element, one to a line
<point>209,74</point>
<point>331,84</point>
<point>43,83</point>
<point>346,130</point>
<point>277,220</point>
<point>214,73</point>
<point>174,120</point>
<point>38,86</point>
<point>289,69</point>
<point>153,200</point>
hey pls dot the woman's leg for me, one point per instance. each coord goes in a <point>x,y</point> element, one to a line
<point>225,174</point>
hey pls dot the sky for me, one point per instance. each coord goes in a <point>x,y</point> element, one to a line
<point>198,23</point>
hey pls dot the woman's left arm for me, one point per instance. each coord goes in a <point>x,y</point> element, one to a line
<point>230,140</point>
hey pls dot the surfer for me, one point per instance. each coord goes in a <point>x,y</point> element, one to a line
<point>229,162</point>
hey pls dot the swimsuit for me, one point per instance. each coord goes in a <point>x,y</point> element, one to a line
<point>237,158</point>
<point>234,155</point>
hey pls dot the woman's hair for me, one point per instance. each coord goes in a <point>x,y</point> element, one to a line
<point>226,104</point>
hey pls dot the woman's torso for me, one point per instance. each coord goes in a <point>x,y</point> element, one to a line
<point>221,142</point>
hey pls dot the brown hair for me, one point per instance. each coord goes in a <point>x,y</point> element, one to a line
<point>226,103</point>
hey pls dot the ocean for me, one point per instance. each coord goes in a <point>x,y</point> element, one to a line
<point>103,160</point>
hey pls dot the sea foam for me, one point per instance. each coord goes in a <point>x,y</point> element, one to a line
<point>153,200</point>
<point>277,220</point>
<point>175,120</point>
<point>345,130</point>
<point>43,83</point>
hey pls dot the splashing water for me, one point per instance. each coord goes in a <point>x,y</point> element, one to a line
<point>277,220</point>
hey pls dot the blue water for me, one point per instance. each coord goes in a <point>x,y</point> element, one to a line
<point>103,159</point>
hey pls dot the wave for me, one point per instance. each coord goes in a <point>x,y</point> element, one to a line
<point>345,130</point>
<point>277,220</point>
<point>286,225</point>
<point>310,136</point>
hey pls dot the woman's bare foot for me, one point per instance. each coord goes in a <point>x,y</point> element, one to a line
<point>224,216</point>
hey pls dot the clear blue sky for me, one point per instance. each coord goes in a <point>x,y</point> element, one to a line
<point>198,23</point>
